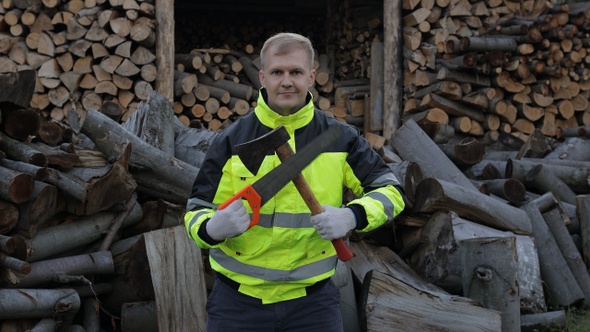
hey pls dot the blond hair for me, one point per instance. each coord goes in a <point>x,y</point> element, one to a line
<point>284,43</point>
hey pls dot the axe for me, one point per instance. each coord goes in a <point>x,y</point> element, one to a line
<point>252,154</point>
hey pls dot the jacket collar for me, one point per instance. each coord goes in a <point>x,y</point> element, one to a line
<point>272,119</point>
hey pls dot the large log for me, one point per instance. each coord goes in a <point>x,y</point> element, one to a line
<point>543,180</point>
<point>439,258</point>
<point>20,151</point>
<point>412,144</point>
<point>152,122</point>
<point>572,256</point>
<point>390,304</point>
<point>433,195</point>
<point>102,187</point>
<point>49,241</point>
<point>490,275</point>
<point>575,176</point>
<point>16,187</point>
<point>574,148</point>
<point>48,271</point>
<point>38,303</point>
<point>560,284</point>
<point>154,170</point>
<point>191,144</point>
<point>168,250</point>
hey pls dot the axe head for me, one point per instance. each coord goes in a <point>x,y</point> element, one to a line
<point>252,153</point>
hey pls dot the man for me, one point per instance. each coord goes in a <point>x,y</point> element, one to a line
<point>275,276</point>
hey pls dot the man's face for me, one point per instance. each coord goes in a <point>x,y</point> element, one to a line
<point>286,78</point>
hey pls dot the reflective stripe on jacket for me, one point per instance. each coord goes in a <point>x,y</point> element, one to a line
<point>283,254</point>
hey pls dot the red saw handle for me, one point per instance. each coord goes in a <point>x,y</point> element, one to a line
<point>254,200</point>
<point>342,250</point>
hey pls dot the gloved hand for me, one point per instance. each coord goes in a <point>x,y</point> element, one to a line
<point>334,223</point>
<point>229,222</point>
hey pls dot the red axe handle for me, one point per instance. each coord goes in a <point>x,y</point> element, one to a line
<point>285,152</point>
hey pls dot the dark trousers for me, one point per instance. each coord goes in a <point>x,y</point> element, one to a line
<point>230,310</point>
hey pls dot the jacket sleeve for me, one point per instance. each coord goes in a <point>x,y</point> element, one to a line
<point>380,197</point>
<point>202,203</point>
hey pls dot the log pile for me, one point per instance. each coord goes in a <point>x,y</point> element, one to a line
<point>110,260</point>
<point>497,67</point>
<point>99,177</point>
<point>102,54</point>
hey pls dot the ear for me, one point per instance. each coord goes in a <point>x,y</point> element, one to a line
<point>261,77</point>
<point>312,77</point>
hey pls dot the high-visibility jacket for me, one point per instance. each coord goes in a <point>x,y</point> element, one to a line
<point>276,259</point>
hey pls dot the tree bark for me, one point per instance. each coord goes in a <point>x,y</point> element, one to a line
<point>433,195</point>
<point>412,144</point>
<point>490,275</point>
<point>392,69</point>
<point>37,303</point>
<point>562,287</point>
<point>568,249</point>
<point>46,202</point>
<point>388,304</point>
<point>84,231</point>
<point>44,272</point>
<point>152,168</point>
<point>152,122</point>
<point>171,250</point>
<point>16,187</point>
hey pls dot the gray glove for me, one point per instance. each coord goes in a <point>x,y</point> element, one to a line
<point>229,222</point>
<point>334,223</point>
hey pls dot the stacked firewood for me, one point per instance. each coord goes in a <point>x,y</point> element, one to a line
<point>91,53</point>
<point>91,197</point>
<point>85,53</point>
<point>490,67</point>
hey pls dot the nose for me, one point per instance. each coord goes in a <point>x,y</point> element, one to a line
<point>286,81</point>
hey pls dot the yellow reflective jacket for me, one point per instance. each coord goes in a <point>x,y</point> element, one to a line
<point>276,259</point>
